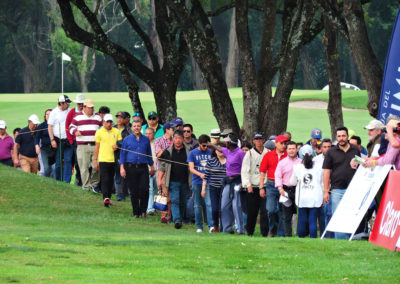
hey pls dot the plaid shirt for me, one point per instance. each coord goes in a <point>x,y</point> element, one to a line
<point>160,144</point>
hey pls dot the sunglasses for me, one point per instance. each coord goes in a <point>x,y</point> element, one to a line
<point>187,131</point>
<point>152,118</point>
<point>136,114</point>
<point>203,145</point>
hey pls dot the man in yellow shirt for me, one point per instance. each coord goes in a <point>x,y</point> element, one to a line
<point>106,143</point>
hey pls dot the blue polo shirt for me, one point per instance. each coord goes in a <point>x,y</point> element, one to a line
<point>26,141</point>
<point>136,147</point>
<point>200,159</point>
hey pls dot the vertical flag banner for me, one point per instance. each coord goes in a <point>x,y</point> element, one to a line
<point>390,93</point>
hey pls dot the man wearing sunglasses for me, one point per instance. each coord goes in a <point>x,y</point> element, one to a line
<point>152,122</point>
<point>188,138</point>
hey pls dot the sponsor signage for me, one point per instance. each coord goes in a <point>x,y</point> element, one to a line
<point>386,231</point>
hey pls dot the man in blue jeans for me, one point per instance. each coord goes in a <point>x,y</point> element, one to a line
<point>338,171</point>
<point>174,177</point>
<point>197,160</point>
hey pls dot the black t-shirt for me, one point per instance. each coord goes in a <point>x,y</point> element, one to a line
<point>179,170</point>
<point>26,141</point>
<point>338,162</point>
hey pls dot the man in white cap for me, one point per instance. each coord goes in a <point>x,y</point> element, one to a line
<point>24,148</point>
<point>84,127</point>
<point>79,100</point>
<point>58,138</point>
<point>374,128</point>
<point>6,145</point>
<point>106,139</point>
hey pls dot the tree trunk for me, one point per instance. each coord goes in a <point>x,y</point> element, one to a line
<point>197,76</point>
<point>330,42</point>
<point>363,54</point>
<point>308,68</point>
<point>232,66</point>
<point>114,85</point>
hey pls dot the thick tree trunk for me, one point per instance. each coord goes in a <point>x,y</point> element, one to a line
<point>232,65</point>
<point>114,84</point>
<point>363,54</point>
<point>330,42</point>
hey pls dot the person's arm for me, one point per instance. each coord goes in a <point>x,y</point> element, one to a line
<point>391,137</point>
<point>150,158</point>
<point>15,158</point>
<point>96,156</point>
<point>279,178</point>
<point>194,171</point>
<point>214,147</point>
<point>38,135</point>
<point>327,177</point>
<point>51,135</point>
<point>245,173</point>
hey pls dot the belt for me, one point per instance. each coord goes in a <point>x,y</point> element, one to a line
<point>270,180</point>
<point>130,165</point>
<point>87,143</point>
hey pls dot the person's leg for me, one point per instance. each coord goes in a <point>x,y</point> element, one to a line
<point>25,165</point>
<point>67,167</point>
<point>183,192</point>
<point>287,213</point>
<point>132,182</point>
<point>226,210</point>
<point>78,180</point>
<point>119,183</point>
<point>253,205</point>
<point>58,171</point>
<point>237,211</point>
<point>264,221</point>
<point>214,199</point>
<point>152,192</point>
<point>174,188</point>
<point>207,202</point>
<point>95,175</point>
<point>84,166</point>
<point>328,216</point>
<point>34,165</point>
<point>272,208</point>
<point>312,221</point>
<point>243,203</point>
<point>7,162</point>
<point>45,159</point>
<point>144,189</point>
<point>336,196</point>
<point>198,214</point>
<point>301,227</point>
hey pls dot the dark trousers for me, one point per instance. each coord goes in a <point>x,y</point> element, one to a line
<point>7,162</point>
<point>137,177</point>
<point>307,217</point>
<point>215,196</point>
<point>254,204</point>
<point>107,171</point>
<point>287,214</point>
<point>78,180</point>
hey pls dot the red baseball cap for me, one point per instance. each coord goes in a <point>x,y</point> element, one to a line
<point>281,138</point>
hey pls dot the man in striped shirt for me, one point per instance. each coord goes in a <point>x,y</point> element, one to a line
<point>84,127</point>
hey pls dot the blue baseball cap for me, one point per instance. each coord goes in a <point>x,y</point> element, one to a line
<point>178,121</point>
<point>168,125</point>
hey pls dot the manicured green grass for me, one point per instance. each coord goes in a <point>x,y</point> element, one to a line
<point>54,232</point>
<point>195,108</point>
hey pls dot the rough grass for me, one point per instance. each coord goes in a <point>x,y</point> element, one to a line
<point>52,232</point>
<point>195,108</point>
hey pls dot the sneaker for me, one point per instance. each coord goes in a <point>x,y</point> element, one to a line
<point>215,230</point>
<point>119,198</point>
<point>164,220</point>
<point>107,202</point>
<point>199,231</point>
<point>151,213</point>
<point>144,216</point>
<point>96,189</point>
<point>211,229</point>
<point>178,225</point>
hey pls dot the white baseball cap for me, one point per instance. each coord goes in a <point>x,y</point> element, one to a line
<point>34,119</point>
<point>64,98</point>
<point>80,98</point>
<point>108,117</point>
<point>3,124</point>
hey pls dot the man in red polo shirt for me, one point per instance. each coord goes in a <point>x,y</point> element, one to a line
<point>267,168</point>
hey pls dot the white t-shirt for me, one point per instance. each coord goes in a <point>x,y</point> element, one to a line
<point>319,160</point>
<point>57,119</point>
<point>309,190</point>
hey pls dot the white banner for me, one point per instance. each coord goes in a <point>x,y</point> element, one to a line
<point>357,199</point>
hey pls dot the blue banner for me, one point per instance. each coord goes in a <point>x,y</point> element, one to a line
<point>390,93</point>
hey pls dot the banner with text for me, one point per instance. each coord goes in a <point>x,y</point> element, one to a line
<point>386,231</point>
<point>390,92</point>
<point>358,197</point>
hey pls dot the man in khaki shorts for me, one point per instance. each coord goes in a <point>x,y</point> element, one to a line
<point>24,148</point>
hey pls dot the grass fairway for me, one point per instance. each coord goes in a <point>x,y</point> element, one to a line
<point>54,233</point>
<point>195,108</point>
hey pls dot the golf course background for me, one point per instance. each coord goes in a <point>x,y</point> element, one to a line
<point>195,108</point>
<point>51,232</point>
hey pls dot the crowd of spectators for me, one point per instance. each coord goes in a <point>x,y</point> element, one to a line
<point>215,180</point>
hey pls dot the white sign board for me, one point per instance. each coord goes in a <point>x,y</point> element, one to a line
<point>358,197</point>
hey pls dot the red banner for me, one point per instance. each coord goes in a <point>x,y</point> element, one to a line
<point>386,231</point>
